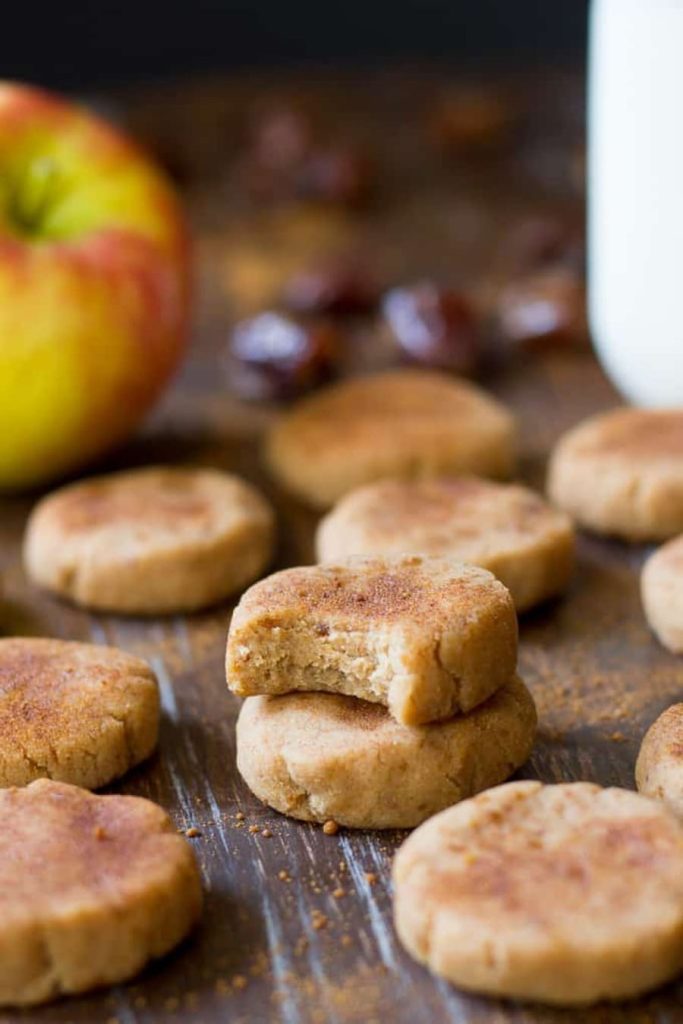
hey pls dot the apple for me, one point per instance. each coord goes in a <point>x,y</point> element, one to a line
<point>94,285</point>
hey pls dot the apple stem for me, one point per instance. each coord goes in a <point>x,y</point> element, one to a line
<point>34,193</point>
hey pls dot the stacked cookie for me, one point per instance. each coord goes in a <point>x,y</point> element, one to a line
<point>379,690</point>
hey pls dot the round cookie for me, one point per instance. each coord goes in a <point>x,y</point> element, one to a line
<point>659,768</point>
<point>91,888</point>
<point>425,636</point>
<point>621,473</point>
<point>317,756</point>
<point>151,541</point>
<point>564,894</point>
<point>661,589</point>
<point>403,423</point>
<point>73,712</point>
<point>505,528</point>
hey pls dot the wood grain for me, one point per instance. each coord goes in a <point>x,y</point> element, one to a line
<point>599,678</point>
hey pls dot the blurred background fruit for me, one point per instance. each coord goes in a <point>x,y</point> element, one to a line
<point>94,286</point>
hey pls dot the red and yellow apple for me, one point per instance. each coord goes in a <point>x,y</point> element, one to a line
<point>94,285</point>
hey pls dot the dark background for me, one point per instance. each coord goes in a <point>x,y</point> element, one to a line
<point>78,43</point>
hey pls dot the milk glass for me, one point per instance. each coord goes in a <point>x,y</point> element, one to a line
<point>635,196</point>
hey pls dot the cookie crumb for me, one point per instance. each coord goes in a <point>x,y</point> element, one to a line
<point>240,816</point>
<point>346,940</point>
<point>254,829</point>
<point>338,893</point>
<point>192,832</point>
<point>330,828</point>
<point>370,877</point>
<point>266,833</point>
<point>239,981</point>
<point>284,876</point>
<point>318,920</point>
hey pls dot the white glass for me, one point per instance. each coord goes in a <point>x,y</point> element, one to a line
<point>635,196</point>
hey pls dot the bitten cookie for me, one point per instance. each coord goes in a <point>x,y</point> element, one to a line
<point>316,756</point>
<point>150,541</point>
<point>661,588</point>
<point>563,894</point>
<point>621,473</point>
<point>659,769</point>
<point>425,636</point>
<point>505,528</point>
<point>404,423</point>
<point>91,888</point>
<point>73,712</point>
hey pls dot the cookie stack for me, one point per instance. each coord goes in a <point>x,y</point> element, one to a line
<point>380,689</point>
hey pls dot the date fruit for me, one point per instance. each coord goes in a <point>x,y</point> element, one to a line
<point>434,326</point>
<point>548,306</point>
<point>273,356</point>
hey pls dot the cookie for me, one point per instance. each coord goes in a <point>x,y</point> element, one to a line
<point>659,769</point>
<point>621,473</point>
<point>505,528</point>
<point>661,589</point>
<point>404,423</point>
<point>316,756</point>
<point>73,712</point>
<point>91,888</point>
<point>564,894</point>
<point>151,541</point>
<point>425,636</point>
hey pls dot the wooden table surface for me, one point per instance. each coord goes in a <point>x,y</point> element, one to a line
<point>596,673</point>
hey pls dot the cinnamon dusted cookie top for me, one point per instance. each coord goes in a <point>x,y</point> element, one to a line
<point>621,473</point>
<point>91,888</point>
<point>150,541</point>
<point>659,769</point>
<point>425,636</point>
<point>505,528</point>
<point>73,712</point>
<point>564,894</point>
<point>317,756</point>
<point>403,423</point>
